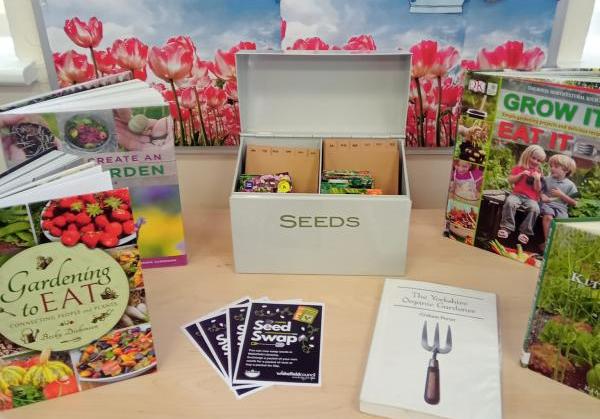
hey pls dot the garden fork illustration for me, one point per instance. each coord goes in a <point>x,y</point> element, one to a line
<point>432,384</point>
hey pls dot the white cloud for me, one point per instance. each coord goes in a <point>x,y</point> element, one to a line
<point>308,18</point>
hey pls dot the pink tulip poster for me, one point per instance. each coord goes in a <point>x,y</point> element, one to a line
<point>184,48</point>
<point>486,35</point>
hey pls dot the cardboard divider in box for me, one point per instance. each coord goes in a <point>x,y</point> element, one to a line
<point>306,112</point>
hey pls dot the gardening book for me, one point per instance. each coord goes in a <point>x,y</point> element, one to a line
<point>123,125</point>
<point>563,338</point>
<point>72,299</point>
<point>435,352</point>
<point>527,154</point>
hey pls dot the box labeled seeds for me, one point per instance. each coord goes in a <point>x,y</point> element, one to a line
<point>330,121</point>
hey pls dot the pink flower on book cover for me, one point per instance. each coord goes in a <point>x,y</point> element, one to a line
<point>360,43</point>
<point>131,53</point>
<point>105,61</point>
<point>214,97</point>
<point>72,67</point>
<point>85,35</point>
<point>310,44</point>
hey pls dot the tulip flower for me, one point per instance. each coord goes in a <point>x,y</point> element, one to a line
<point>131,54</point>
<point>214,96</point>
<point>231,90</point>
<point>71,68</point>
<point>185,41</point>
<point>360,43</point>
<point>428,60</point>
<point>85,35</point>
<point>243,45</point>
<point>105,61</point>
<point>512,55</point>
<point>282,29</point>
<point>310,44</point>
<point>224,65</point>
<point>187,97</point>
<point>172,62</point>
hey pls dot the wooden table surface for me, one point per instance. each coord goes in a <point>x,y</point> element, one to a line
<point>185,386</point>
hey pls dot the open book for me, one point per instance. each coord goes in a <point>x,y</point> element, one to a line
<point>123,125</point>
<point>73,312</point>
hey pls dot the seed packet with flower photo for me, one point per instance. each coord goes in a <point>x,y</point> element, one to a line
<point>282,344</point>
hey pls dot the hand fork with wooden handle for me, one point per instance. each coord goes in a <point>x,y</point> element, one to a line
<point>432,384</point>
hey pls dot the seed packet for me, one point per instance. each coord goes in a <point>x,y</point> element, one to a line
<point>346,182</point>
<point>282,344</point>
<point>277,183</point>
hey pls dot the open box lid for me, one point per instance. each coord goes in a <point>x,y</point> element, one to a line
<point>333,93</point>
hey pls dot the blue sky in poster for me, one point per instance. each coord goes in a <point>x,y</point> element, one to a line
<point>213,24</point>
<point>389,22</point>
<point>483,23</point>
<point>492,23</point>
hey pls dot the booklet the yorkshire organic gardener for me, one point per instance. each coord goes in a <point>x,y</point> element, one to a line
<point>434,353</point>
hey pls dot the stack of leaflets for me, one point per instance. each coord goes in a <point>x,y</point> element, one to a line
<point>253,344</point>
<point>73,312</point>
<point>123,125</point>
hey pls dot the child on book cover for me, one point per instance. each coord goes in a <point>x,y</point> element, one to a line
<point>526,181</point>
<point>466,181</point>
<point>558,192</point>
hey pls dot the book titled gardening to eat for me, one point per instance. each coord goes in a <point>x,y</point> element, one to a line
<point>73,312</point>
<point>563,338</point>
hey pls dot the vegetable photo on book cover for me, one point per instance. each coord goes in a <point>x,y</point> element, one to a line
<point>72,298</point>
<point>527,154</point>
<point>563,338</point>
